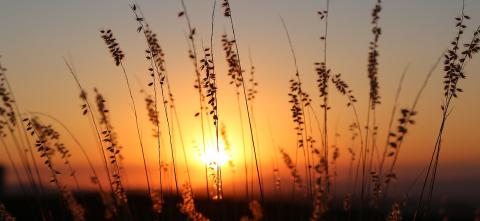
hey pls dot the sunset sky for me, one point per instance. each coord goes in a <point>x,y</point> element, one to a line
<point>36,35</point>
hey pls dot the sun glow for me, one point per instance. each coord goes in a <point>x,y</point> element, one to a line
<point>212,156</point>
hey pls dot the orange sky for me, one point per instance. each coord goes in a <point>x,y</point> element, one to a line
<point>35,37</point>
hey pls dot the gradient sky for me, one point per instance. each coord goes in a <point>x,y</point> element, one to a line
<point>35,35</point>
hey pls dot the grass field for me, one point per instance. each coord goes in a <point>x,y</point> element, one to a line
<point>138,141</point>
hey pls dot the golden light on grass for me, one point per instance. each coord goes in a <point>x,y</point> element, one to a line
<point>210,156</point>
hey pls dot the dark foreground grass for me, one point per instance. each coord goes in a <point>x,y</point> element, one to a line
<point>226,209</point>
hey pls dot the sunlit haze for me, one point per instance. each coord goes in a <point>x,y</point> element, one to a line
<point>40,38</point>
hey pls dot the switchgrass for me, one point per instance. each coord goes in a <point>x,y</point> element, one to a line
<point>158,73</point>
<point>94,177</point>
<point>210,85</point>
<point>53,137</point>
<point>187,206</point>
<point>372,177</point>
<point>300,100</point>
<point>398,137</point>
<point>110,208</point>
<point>10,112</point>
<point>235,79</point>
<point>108,198</point>
<point>9,119</point>
<point>297,179</point>
<point>323,73</point>
<point>111,144</point>
<point>118,56</point>
<point>455,60</point>
<point>192,53</point>
<point>155,56</point>
<point>374,100</point>
<point>46,152</point>
<point>86,108</point>
<point>390,121</point>
<point>228,13</point>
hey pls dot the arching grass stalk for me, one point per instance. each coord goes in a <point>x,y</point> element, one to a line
<point>158,65</point>
<point>398,137</point>
<point>4,125</point>
<point>53,137</point>
<point>236,81</point>
<point>470,49</point>
<point>180,134</point>
<point>228,13</point>
<point>374,98</point>
<point>20,152</point>
<point>252,92</point>
<point>301,120</point>
<point>344,89</point>
<point>118,56</point>
<point>237,93</point>
<point>11,121</point>
<point>95,177</point>
<point>157,61</point>
<point>46,152</point>
<point>153,114</point>
<point>113,150</point>
<point>390,121</point>
<point>87,109</point>
<point>455,60</point>
<point>198,84</point>
<point>210,84</point>
<point>324,74</point>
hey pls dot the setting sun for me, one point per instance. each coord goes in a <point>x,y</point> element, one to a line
<point>212,156</point>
